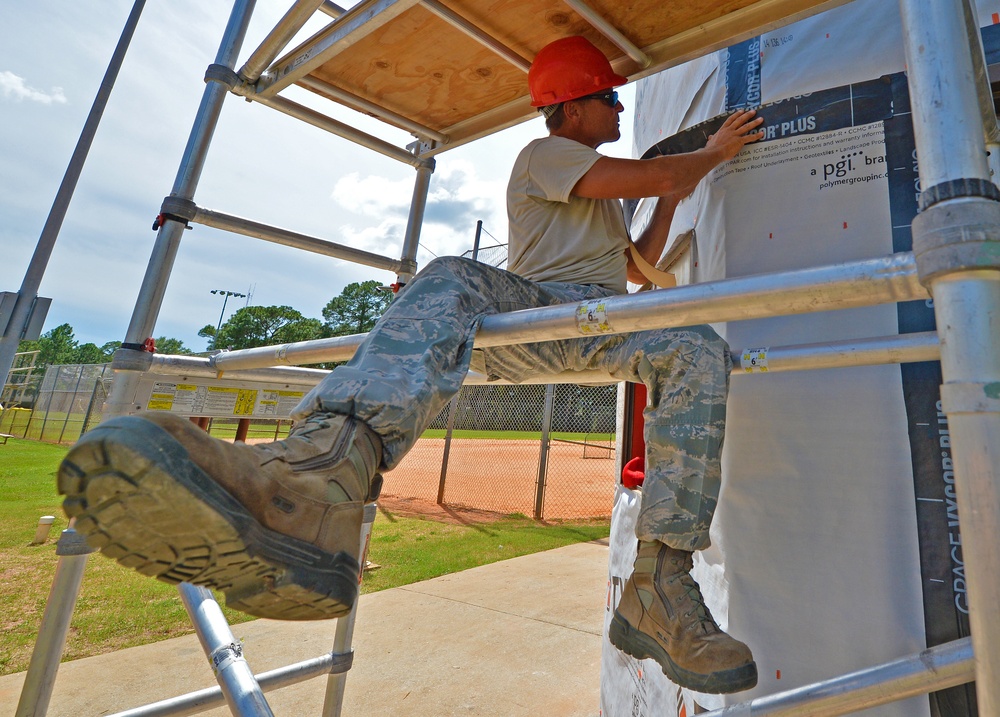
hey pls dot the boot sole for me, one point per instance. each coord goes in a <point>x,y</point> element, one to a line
<point>138,498</point>
<point>641,646</point>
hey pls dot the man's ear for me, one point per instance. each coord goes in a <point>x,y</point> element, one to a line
<point>571,109</point>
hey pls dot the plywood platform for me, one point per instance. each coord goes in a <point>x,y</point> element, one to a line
<point>403,57</point>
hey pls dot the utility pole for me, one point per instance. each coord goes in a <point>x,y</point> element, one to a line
<point>27,297</point>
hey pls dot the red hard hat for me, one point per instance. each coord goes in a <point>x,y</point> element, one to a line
<point>567,69</point>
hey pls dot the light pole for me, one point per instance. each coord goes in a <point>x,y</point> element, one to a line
<point>225,294</point>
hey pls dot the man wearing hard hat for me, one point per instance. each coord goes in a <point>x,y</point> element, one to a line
<point>276,526</point>
<point>566,225</point>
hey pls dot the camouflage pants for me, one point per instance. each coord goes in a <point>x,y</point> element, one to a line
<point>415,359</point>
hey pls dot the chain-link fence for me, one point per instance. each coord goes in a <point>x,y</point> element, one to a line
<point>543,451</point>
<point>495,256</point>
<point>68,400</point>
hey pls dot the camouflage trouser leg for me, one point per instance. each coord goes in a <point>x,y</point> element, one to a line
<point>417,356</point>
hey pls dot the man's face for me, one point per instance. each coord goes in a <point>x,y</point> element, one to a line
<point>599,118</point>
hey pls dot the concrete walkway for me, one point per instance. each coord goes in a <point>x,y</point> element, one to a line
<point>519,637</point>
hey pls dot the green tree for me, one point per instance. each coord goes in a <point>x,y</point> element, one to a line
<point>174,347</point>
<point>254,326</point>
<point>89,353</point>
<point>357,308</point>
<point>57,346</point>
<point>110,347</point>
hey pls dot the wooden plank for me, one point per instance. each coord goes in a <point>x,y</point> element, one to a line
<point>421,67</point>
<point>335,38</point>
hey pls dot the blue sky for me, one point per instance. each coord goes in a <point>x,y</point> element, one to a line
<point>262,165</point>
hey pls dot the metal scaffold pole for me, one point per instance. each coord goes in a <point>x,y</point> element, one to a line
<point>239,686</point>
<point>41,675</point>
<point>161,261</point>
<point>956,249</point>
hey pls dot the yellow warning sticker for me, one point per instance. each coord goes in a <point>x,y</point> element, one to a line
<point>754,360</point>
<point>246,401</point>
<point>592,317</point>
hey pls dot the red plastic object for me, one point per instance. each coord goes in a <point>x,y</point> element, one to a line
<point>634,473</point>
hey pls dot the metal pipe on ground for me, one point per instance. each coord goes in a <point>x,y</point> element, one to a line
<point>40,678</point>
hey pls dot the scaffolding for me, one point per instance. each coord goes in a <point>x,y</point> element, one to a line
<point>19,387</point>
<point>472,59</point>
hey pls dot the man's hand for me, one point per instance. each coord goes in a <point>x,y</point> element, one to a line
<point>737,131</point>
<point>674,175</point>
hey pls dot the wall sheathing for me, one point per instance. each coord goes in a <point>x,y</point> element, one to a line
<point>837,544</point>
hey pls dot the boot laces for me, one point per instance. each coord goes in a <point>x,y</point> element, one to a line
<point>698,607</point>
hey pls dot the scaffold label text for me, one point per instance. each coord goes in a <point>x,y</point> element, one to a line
<point>592,317</point>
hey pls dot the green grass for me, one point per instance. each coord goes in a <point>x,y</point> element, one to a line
<point>119,608</point>
<point>14,420</point>
<point>410,550</point>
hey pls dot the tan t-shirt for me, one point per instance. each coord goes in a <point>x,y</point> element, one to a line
<point>554,236</point>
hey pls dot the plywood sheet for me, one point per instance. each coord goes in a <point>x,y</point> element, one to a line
<point>419,66</point>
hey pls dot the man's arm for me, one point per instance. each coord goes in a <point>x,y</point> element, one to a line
<point>676,174</point>
<point>653,238</point>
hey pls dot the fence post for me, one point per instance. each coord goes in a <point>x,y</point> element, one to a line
<point>48,406</point>
<point>98,384</point>
<point>543,457</point>
<point>72,401</point>
<point>452,410</point>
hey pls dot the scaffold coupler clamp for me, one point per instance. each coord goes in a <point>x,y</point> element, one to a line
<point>149,346</point>
<point>176,209</point>
<point>957,229</point>
<point>133,357</point>
<point>222,74</point>
<point>341,662</point>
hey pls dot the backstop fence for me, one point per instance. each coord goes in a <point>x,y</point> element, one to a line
<point>542,451</point>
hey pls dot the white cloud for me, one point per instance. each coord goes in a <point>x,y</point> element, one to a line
<point>372,195</point>
<point>458,197</point>
<point>16,88</point>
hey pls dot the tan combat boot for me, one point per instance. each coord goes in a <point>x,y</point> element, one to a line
<point>662,615</point>
<point>276,527</point>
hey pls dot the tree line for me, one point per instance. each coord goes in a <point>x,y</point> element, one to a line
<point>354,311</point>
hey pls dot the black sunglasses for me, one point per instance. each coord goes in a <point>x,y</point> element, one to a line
<point>608,98</point>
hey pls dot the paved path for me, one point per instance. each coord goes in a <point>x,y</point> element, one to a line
<point>518,637</point>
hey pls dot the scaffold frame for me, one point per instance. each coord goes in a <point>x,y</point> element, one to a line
<point>955,258</point>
